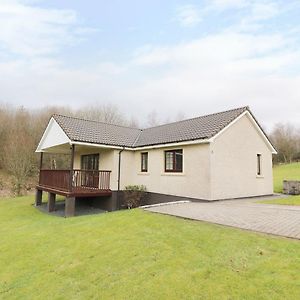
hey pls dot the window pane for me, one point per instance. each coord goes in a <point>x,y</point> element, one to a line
<point>144,162</point>
<point>90,162</point>
<point>258,164</point>
<point>169,161</point>
<point>174,160</point>
<point>178,160</point>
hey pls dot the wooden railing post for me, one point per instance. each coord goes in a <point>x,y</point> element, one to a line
<point>72,168</point>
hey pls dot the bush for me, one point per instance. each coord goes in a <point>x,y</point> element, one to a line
<point>133,195</point>
<point>16,187</point>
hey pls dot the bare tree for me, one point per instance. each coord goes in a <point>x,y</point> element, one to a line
<point>3,134</point>
<point>19,161</point>
<point>285,138</point>
<point>133,122</point>
<point>152,119</point>
<point>180,116</point>
<point>107,113</point>
<point>19,150</point>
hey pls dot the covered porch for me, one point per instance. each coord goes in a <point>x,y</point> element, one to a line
<point>85,182</point>
<point>79,162</point>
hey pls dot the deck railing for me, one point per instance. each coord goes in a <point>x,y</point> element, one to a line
<point>67,180</point>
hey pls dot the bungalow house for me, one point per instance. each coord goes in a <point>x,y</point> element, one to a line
<point>219,156</point>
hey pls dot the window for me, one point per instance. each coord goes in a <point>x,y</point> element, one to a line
<point>259,164</point>
<point>173,161</point>
<point>90,162</point>
<point>144,162</point>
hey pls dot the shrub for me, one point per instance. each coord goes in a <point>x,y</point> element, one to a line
<point>16,187</point>
<point>133,195</point>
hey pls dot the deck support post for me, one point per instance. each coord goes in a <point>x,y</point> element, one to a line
<point>51,202</point>
<point>38,197</point>
<point>70,207</point>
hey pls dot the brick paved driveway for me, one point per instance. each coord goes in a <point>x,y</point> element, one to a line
<point>273,219</point>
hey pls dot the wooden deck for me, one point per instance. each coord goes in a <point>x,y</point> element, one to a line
<point>75,183</point>
<point>76,192</point>
<point>72,183</point>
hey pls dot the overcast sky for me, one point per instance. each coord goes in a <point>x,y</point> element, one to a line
<point>192,57</point>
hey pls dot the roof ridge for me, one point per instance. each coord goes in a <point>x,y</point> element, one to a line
<point>99,122</point>
<point>244,108</point>
<point>137,138</point>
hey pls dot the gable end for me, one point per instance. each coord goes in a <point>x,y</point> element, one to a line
<point>254,123</point>
<point>53,136</point>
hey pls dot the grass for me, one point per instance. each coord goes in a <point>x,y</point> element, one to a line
<point>138,255</point>
<point>285,172</point>
<point>280,173</point>
<point>292,200</point>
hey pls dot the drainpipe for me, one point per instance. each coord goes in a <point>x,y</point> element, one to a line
<point>119,177</point>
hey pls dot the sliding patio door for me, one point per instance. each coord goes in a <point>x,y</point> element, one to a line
<point>90,170</point>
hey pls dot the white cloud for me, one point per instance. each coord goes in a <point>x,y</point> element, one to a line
<point>221,71</point>
<point>264,11</point>
<point>205,75</point>
<point>234,46</point>
<point>258,13</point>
<point>188,15</point>
<point>225,69</point>
<point>254,12</point>
<point>227,4</point>
<point>30,30</point>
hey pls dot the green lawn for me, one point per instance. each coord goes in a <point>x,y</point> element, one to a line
<point>286,171</point>
<point>280,173</point>
<point>292,200</point>
<point>138,255</point>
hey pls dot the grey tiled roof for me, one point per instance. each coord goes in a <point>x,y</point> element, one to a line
<point>187,130</point>
<point>102,133</point>
<point>80,130</point>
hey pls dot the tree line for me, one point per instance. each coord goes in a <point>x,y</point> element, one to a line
<point>21,130</point>
<point>286,139</point>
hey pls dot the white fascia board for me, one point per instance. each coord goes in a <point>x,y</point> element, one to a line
<point>99,145</point>
<point>254,122</point>
<point>142,148</point>
<point>195,142</point>
<point>51,123</point>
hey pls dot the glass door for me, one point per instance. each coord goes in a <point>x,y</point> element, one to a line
<point>90,170</point>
